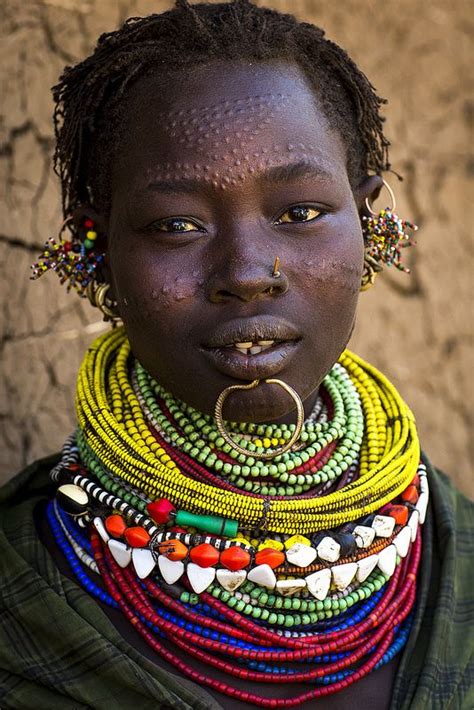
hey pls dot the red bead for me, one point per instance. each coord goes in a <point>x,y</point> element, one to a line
<point>177,529</point>
<point>271,557</point>
<point>137,537</point>
<point>400,513</point>
<point>115,525</point>
<point>235,558</point>
<point>174,550</point>
<point>416,481</point>
<point>410,494</point>
<point>161,510</point>
<point>204,555</point>
<point>88,223</point>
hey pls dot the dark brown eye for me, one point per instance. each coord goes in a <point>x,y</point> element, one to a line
<point>299,213</point>
<point>176,225</point>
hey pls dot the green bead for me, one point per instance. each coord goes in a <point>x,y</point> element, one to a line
<point>208,523</point>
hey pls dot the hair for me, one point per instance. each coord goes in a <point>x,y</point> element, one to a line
<point>90,97</point>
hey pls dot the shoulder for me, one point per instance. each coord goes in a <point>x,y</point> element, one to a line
<point>437,670</point>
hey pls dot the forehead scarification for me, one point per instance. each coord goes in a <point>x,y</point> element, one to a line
<point>224,169</point>
<point>205,126</point>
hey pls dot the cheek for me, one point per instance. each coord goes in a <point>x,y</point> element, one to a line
<point>148,292</point>
<point>333,267</point>
<point>336,275</point>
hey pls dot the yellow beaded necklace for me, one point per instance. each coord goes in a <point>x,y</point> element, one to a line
<point>115,430</point>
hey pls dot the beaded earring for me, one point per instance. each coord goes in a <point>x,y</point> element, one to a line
<point>75,258</point>
<point>385,236</point>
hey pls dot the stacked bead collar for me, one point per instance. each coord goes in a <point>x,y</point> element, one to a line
<point>303,547</point>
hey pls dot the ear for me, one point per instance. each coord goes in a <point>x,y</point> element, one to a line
<point>369,188</point>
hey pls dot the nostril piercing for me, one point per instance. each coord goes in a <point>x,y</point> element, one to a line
<point>276,268</point>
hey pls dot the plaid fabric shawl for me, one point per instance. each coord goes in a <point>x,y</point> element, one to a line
<point>58,650</point>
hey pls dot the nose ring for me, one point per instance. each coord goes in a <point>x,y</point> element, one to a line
<point>276,268</point>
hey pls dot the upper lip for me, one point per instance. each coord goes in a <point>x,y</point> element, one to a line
<point>242,330</point>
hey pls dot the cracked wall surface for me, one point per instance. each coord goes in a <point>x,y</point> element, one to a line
<point>417,329</point>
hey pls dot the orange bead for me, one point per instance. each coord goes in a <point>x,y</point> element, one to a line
<point>410,494</point>
<point>416,481</point>
<point>235,558</point>
<point>204,555</point>
<point>271,557</point>
<point>174,550</point>
<point>137,537</point>
<point>400,513</point>
<point>115,525</point>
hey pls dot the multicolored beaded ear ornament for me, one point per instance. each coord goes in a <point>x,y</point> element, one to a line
<point>76,259</point>
<point>384,236</point>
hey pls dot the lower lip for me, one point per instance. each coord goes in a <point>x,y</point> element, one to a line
<point>231,362</point>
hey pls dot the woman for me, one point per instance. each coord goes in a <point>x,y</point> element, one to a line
<point>193,547</point>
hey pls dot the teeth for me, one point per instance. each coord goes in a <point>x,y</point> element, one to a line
<point>251,348</point>
<point>243,346</point>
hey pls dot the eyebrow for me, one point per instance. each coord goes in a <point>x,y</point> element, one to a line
<point>293,171</point>
<point>276,175</point>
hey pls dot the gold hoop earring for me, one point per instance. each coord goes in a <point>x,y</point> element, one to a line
<point>97,295</point>
<point>392,197</point>
<point>276,452</point>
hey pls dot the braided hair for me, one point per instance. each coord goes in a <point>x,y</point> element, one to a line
<point>89,98</point>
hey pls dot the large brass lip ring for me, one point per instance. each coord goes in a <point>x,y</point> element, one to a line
<point>274,452</point>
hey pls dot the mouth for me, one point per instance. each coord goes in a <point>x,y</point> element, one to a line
<point>252,348</point>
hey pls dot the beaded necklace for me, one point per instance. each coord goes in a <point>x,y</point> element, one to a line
<point>302,569</point>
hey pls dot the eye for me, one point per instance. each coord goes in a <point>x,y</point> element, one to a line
<point>175,224</point>
<point>299,213</point>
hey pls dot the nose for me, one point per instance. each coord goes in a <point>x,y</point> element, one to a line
<point>246,271</point>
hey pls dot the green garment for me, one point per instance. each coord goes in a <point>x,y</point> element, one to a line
<point>58,649</point>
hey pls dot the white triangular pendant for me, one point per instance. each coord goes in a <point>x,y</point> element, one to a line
<point>263,575</point>
<point>301,555</point>
<point>231,581</point>
<point>342,575</point>
<point>388,560</point>
<point>288,587</point>
<point>121,552</point>
<point>143,561</point>
<point>200,577</point>
<point>422,507</point>
<point>319,583</point>
<point>402,541</point>
<point>170,570</point>
<point>413,524</point>
<point>366,566</point>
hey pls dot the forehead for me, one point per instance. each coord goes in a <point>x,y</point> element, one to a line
<point>224,122</point>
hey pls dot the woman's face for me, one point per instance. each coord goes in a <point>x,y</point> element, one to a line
<point>221,171</point>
